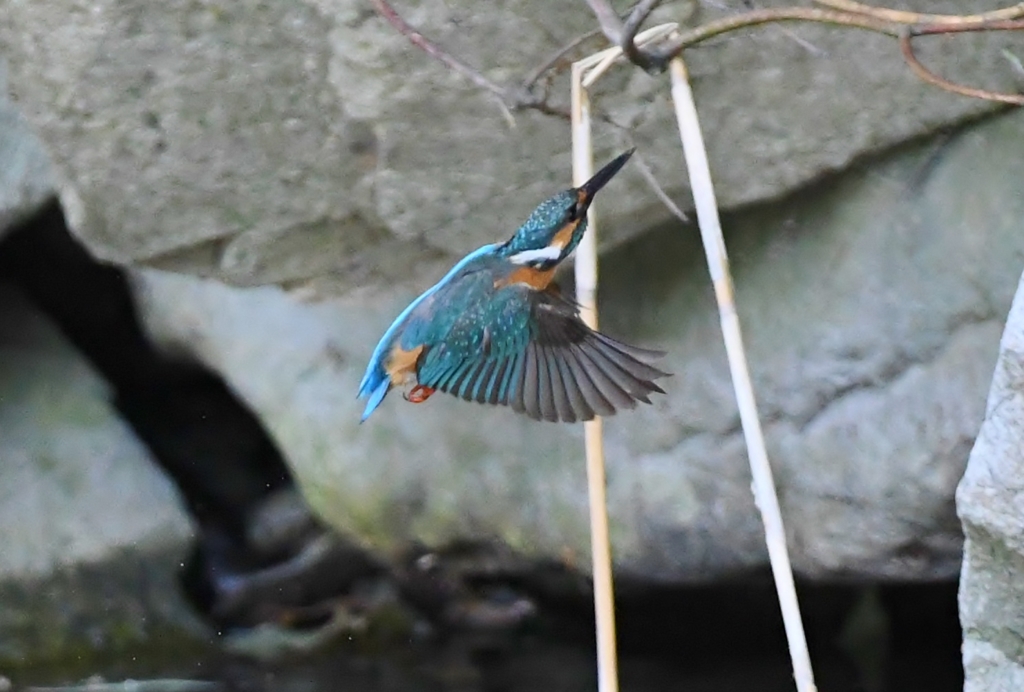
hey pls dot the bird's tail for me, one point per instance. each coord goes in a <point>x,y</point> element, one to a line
<point>376,391</point>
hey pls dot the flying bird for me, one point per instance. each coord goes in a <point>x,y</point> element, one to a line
<point>496,330</point>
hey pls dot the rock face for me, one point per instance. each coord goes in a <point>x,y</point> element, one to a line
<point>309,142</point>
<point>990,500</point>
<point>872,311</point>
<point>26,179</point>
<point>92,533</point>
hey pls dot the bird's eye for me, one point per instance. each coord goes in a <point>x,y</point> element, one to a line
<point>573,210</point>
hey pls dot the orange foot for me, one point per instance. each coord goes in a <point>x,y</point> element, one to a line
<point>419,394</point>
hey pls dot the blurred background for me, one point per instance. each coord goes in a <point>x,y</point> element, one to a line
<point>209,213</point>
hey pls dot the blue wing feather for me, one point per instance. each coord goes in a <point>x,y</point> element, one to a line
<point>375,382</point>
<point>378,396</point>
<point>512,374</point>
<point>481,356</point>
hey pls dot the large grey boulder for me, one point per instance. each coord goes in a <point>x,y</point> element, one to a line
<point>26,179</point>
<point>307,141</point>
<point>872,307</point>
<point>307,144</point>
<point>92,535</point>
<point>990,500</point>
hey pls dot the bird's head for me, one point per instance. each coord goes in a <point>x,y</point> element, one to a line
<point>555,228</point>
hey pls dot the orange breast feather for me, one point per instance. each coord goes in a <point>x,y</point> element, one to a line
<point>402,364</point>
<point>534,278</point>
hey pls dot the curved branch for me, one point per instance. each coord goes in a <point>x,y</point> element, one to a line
<point>998,20</point>
<point>435,51</point>
<point>902,17</point>
<point>609,22</point>
<point>557,57</point>
<point>907,48</point>
<point>636,18</point>
<point>622,34</point>
<point>849,13</point>
<point>780,14</point>
<point>512,98</point>
<point>997,25</point>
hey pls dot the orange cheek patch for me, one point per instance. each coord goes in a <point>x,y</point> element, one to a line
<point>564,235</point>
<point>402,363</point>
<point>529,276</point>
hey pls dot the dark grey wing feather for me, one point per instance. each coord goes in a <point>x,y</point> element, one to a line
<point>490,395</point>
<point>539,358</point>
<point>642,354</point>
<point>591,385</point>
<point>545,388</point>
<point>511,391</point>
<point>632,377</point>
<point>560,387</point>
<point>626,358</point>
<point>610,390</point>
<point>530,384</point>
<point>593,373</point>
<point>577,400</point>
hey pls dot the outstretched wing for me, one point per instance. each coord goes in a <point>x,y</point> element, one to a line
<point>530,350</point>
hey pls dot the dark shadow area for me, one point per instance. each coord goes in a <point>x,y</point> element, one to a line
<point>251,560</point>
<point>211,445</point>
<point>863,637</point>
<point>452,620</point>
<point>722,638</point>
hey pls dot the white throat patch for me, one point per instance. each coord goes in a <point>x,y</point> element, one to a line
<point>551,252</point>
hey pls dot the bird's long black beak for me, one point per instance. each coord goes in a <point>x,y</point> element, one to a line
<point>588,189</point>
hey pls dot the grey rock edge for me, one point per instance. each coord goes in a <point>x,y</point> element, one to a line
<point>91,533</point>
<point>308,143</point>
<point>990,501</point>
<point>26,178</point>
<point>872,313</point>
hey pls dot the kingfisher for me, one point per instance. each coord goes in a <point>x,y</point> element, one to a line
<point>496,329</point>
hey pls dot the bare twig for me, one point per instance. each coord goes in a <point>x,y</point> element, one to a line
<point>659,191</point>
<point>586,295</point>
<point>557,57</point>
<point>907,48</point>
<point>902,17</point>
<point>765,495</point>
<point>879,20</point>
<point>645,170</point>
<point>512,97</point>
<point>623,35</point>
<point>803,43</point>
<point>874,19</point>
<point>1015,63</point>
<point>542,106</point>
<point>610,23</point>
<point>895,23</point>
<point>690,37</point>
<point>636,18</point>
<point>965,27</point>
<point>435,51</point>
<point>849,13</point>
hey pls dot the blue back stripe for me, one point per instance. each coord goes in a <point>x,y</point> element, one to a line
<point>376,360</point>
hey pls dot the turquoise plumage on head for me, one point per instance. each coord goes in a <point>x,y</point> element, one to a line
<point>495,329</point>
<point>547,219</point>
